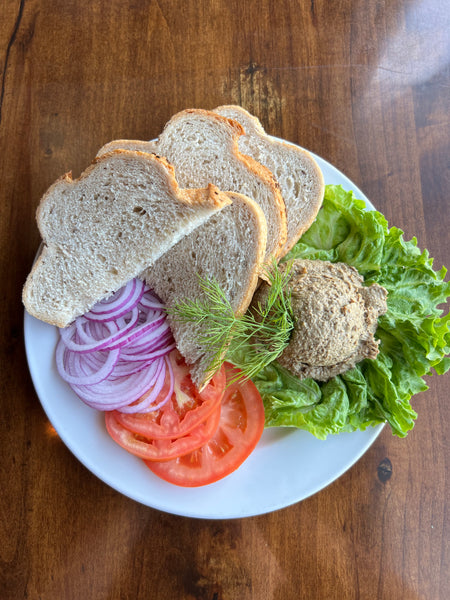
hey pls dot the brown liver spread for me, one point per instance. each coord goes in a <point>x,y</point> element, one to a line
<point>335,319</point>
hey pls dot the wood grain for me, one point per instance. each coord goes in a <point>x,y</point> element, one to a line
<point>364,85</point>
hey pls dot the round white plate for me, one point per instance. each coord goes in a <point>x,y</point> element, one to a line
<point>287,466</point>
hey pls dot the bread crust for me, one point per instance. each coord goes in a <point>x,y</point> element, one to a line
<point>261,242</point>
<point>132,145</point>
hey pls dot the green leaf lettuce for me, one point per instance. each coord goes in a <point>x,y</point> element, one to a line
<point>414,335</point>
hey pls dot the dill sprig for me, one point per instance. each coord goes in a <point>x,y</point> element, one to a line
<point>250,341</point>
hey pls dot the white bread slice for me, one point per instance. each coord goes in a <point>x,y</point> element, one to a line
<point>229,248</point>
<point>203,148</point>
<point>205,167</point>
<point>106,227</point>
<point>298,174</point>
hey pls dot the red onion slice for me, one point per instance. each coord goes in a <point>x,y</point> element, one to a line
<point>87,331</point>
<point>115,356</point>
<point>149,397</point>
<point>153,329</point>
<point>112,395</point>
<point>72,372</point>
<point>154,407</point>
<point>162,351</point>
<point>119,304</point>
<point>150,342</point>
<point>109,343</point>
<point>124,368</point>
<point>150,300</point>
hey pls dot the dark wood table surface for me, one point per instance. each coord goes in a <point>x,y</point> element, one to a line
<point>362,83</point>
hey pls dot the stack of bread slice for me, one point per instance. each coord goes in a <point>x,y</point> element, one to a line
<point>107,227</point>
<point>214,198</point>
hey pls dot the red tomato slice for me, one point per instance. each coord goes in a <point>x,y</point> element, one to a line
<point>185,411</point>
<point>162,449</point>
<point>240,428</point>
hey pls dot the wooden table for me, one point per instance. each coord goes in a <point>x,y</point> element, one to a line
<point>365,85</point>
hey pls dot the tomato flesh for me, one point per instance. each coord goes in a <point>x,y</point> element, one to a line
<point>240,427</point>
<point>161,449</point>
<point>185,411</point>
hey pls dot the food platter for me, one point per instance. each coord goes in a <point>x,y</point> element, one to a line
<point>287,466</point>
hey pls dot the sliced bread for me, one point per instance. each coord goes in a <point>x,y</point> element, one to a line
<point>203,148</point>
<point>228,248</point>
<point>298,174</point>
<point>103,229</point>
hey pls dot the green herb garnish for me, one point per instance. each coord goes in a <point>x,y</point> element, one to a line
<point>251,341</point>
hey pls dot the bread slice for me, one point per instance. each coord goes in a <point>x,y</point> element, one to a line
<point>106,227</point>
<point>203,148</point>
<point>214,157</point>
<point>229,248</point>
<point>298,174</point>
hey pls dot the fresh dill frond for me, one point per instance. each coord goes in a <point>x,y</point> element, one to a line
<point>250,341</point>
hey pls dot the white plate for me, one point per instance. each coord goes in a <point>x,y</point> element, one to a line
<point>287,466</point>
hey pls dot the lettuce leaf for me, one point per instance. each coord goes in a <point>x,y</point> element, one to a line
<point>414,334</point>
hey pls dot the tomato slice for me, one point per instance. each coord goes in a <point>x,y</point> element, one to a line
<point>240,428</point>
<point>161,449</point>
<point>185,411</point>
